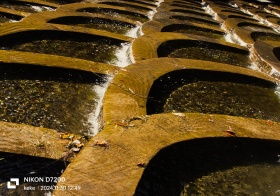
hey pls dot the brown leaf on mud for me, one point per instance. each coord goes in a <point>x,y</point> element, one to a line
<point>269,122</point>
<point>141,164</point>
<point>101,143</point>
<point>230,133</point>
<point>66,136</point>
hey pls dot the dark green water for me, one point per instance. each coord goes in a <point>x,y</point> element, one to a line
<point>181,28</point>
<point>202,33</point>
<point>94,51</point>
<point>225,98</point>
<point>115,13</point>
<point>56,98</point>
<point>195,19</point>
<point>25,7</point>
<point>113,26</point>
<point>3,19</point>
<point>211,54</point>
<point>261,179</point>
<point>62,106</point>
<point>63,1</point>
<point>265,36</point>
<point>6,17</point>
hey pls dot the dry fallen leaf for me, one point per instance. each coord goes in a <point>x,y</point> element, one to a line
<point>230,133</point>
<point>66,136</point>
<point>141,164</point>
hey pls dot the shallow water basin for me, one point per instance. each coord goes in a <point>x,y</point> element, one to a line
<point>55,98</point>
<point>26,7</point>
<point>182,28</point>
<point>225,98</point>
<point>70,44</point>
<point>115,13</point>
<point>114,26</point>
<point>192,49</point>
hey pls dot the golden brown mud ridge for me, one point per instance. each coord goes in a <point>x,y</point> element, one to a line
<point>186,79</point>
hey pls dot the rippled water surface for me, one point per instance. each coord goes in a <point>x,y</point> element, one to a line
<point>25,7</point>
<point>115,13</point>
<point>94,51</point>
<point>225,98</point>
<point>262,179</point>
<point>61,106</point>
<point>96,23</point>
<point>55,98</point>
<point>202,33</point>
<point>3,19</point>
<point>211,54</point>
